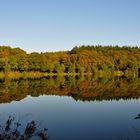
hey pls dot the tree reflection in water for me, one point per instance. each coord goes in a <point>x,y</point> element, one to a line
<point>10,131</point>
<point>79,88</point>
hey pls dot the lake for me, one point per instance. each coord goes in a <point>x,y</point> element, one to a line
<point>72,108</point>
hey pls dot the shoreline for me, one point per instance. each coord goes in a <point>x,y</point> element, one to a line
<point>37,74</point>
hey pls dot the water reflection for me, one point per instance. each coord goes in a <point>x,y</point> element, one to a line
<point>70,120</point>
<point>113,118</point>
<point>80,88</point>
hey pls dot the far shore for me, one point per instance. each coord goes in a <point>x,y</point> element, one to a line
<point>37,74</point>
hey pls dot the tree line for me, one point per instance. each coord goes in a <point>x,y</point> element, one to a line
<point>82,59</point>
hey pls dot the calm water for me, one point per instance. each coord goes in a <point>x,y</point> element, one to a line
<point>72,109</point>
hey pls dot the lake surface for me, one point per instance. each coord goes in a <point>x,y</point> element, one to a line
<point>82,108</point>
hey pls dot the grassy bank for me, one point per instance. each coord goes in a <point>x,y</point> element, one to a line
<point>31,75</point>
<point>34,75</point>
<point>18,75</point>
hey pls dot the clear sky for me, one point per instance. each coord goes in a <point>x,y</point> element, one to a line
<point>52,25</point>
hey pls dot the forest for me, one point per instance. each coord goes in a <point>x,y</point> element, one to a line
<point>84,60</point>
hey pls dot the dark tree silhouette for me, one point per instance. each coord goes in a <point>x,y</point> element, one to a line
<point>10,131</point>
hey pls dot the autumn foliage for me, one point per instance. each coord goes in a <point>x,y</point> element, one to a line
<point>82,60</point>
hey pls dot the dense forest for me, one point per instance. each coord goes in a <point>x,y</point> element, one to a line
<point>80,60</point>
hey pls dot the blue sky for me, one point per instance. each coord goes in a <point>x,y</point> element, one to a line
<point>53,25</point>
